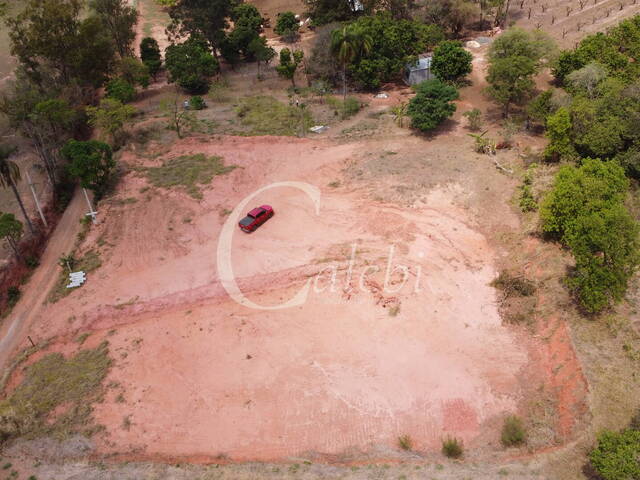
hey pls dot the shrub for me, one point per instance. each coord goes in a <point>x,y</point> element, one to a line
<point>452,448</point>
<point>616,455</point>
<point>197,103</point>
<point>150,55</point>
<point>513,433</point>
<point>191,65</point>
<point>287,25</point>
<point>474,117</point>
<point>405,442</point>
<point>431,105</point>
<point>345,109</point>
<point>513,285</point>
<point>120,90</point>
<point>528,202</point>
<point>451,62</point>
<point>13,295</point>
<point>585,210</point>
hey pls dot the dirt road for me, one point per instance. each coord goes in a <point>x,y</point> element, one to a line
<point>14,331</point>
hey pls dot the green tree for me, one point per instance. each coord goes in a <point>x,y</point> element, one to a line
<point>120,20</point>
<point>289,62</point>
<point>11,231</point>
<point>208,19</point>
<point>9,176</point>
<point>121,90</point>
<point>348,44</point>
<point>395,43</point>
<point>247,15</point>
<point>150,55</point>
<point>432,104</point>
<point>133,71</point>
<point>451,62</point>
<point>110,117</point>
<point>559,134</point>
<point>191,65</point>
<point>585,211</point>
<point>82,52</point>
<point>262,52</point>
<point>616,455</point>
<point>540,107</point>
<point>323,12</point>
<point>91,162</point>
<point>511,80</point>
<point>287,25</point>
<point>451,14</point>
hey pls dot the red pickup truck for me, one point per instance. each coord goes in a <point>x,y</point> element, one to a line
<point>255,218</point>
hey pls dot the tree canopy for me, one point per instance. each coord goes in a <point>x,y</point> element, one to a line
<point>190,65</point>
<point>451,62</point>
<point>432,104</point>
<point>91,162</point>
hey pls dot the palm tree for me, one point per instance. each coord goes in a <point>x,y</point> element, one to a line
<point>9,175</point>
<point>347,44</point>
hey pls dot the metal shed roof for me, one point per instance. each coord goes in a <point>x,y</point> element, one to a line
<point>421,64</point>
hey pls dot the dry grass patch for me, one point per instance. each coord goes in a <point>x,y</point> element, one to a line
<point>188,172</point>
<point>89,262</point>
<point>55,395</point>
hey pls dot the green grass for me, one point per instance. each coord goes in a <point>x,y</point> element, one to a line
<point>452,448</point>
<point>264,115</point>
<point>51,382</point>
<point>89,262</point>
<point>188,172</point>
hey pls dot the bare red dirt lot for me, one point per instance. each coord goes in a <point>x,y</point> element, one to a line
<point>360,363</point>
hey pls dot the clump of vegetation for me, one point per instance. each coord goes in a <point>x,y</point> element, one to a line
<point>616,455</point>
<point>405,442</point>
<point>393,44</point>
<point>513,284</point>
<point>287,26</point>
<point>585,210</point>
<point>345,109</point>
<point>89,262</point>
<point>264,115</point>
<point>482,144</point>
<point>452,448</point>
<point>474,117</point>
<point>52,382</point>
<point>513,432</point>
<point>450,62</point>
<point>121,90</point>
<point>528,202</point>
<point>191,65</point>
<point>91,162</point>
<point>289,62</point>
<point>197,103</point>
<point>150,55</point>
<point>514,58</point>
<point>432,104</point>
<point>188,172</point>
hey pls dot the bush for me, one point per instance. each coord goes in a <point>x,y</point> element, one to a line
<point>150,55</point>
<point>474,117</point>
<point>121,90</point>
<point>513,433</point>
<point>585,211</point>
<point>197,103</point>
<point>528,202</point>
<point>513,285</point>
<point>405,442</point>
<point>616,455</point>
<point>345,109</point>
<point>287,25</point>
<point>452,448</point>
<point>431,105</point>
<point>451,62</point>
<point>191,65</point>
<point>13,295</point>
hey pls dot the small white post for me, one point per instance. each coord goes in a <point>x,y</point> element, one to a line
<point>92,213</point>
<point>35,199</point>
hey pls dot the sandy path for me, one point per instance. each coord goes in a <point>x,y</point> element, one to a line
<point>14,330</point>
